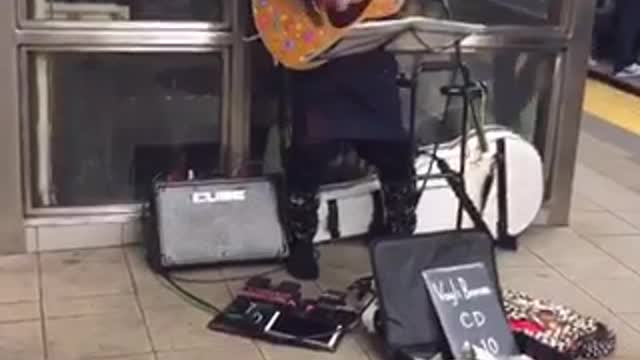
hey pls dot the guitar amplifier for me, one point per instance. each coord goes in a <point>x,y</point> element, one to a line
<point>207,222</point>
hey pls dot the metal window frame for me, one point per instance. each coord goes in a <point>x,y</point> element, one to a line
<point>561,109</point>
<point>24,21</point>
<point>239,138</point>
<point>129,37</point>
<point>565,111</point>
<point>12,232</point>
<point>137,39</point>
<point>27,117</point>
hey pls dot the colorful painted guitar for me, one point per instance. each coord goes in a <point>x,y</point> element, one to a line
<point>295,31</point>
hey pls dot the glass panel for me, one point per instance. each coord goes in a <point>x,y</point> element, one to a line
<point>127,10</point>
<point>517,83</point>
<point>492,12</point>
<point>103,125</point>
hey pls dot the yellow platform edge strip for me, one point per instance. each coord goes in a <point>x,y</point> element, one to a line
<point>614,106</point>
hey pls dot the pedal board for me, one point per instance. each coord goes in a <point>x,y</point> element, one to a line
<point>279,313</point>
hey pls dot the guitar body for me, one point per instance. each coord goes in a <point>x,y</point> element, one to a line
<point>295,31</point>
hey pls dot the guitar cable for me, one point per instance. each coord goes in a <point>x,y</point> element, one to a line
<point>274,270</point>
<point>187,280</point>
<point>193,300</point>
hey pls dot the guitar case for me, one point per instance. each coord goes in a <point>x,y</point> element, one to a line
<point>510,172</point>
<point>347,209</point>
<point>508,202</point>
<point>504,183</point>
<point>410,325</point>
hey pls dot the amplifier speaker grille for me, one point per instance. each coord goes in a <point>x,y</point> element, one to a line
<point>207,222</point>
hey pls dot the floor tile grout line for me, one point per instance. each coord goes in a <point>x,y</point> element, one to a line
<point>41,296</point>
<point>602,175</point>
<point>615,214</point>
<point>81,316</point>
<point>613,236</point>
<point>596,207</point>
<point>356,339</point>
<point>225,284</point>
<point>119,357</point>
<point>363,348</point>
<point>90,296</point>
<point>605,208</point>
<point>617,235</point>
<point>553,267</point>
<point>82,297</point>
<point>545,263</point>
<point>589,211</point>
<point>255,344</point>
<point>635,328</point>
<point>136,294</point>
<point>556,270</point>
<point>584,291</point>
<point>87,249</point>
<point>541,258</point>
<point>588,294</point>
<point>365,354</point>
<point>261,352</point>
<point>613,256</point>
<point>19,302</point>
<point>122,231</point>
<point>19,321</point>
<point>585,237</point>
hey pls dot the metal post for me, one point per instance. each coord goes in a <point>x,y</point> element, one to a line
<point>12,236</point>
<point>239,124</point>
<point>565,117</point>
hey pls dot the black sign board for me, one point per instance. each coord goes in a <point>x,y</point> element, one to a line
<point>469,309</point>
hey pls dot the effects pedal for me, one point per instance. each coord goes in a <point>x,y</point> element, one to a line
<point>287,293</point>
<point>331,307</point>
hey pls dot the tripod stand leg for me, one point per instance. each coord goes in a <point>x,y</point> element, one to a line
<point>455,181</point>
<point>505,240</point>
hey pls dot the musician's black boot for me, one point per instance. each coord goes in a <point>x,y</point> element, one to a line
<point>378,223</point>
<point>400,203</point>
<point>302,224</point>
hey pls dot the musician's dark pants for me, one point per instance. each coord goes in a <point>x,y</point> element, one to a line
<point>305,170</point>
<point>354,98</point>
<point>626,34</point>
<point>308,163</point>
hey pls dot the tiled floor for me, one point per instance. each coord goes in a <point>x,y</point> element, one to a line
<point>106,304</point>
